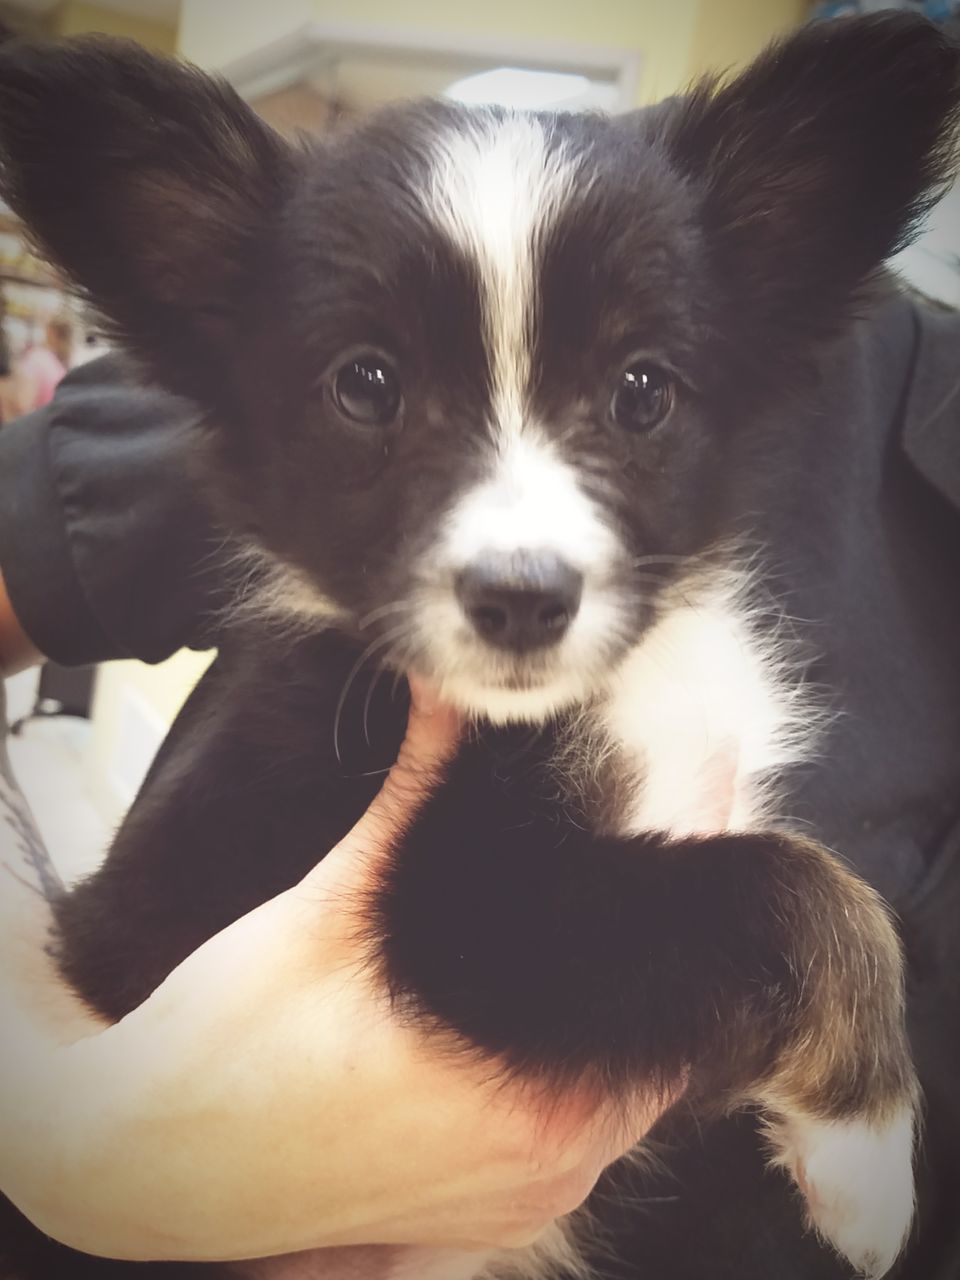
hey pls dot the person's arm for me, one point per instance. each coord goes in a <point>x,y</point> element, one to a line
<point>267,1098</point>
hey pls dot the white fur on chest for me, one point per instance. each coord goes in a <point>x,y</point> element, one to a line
<point>708,712</point>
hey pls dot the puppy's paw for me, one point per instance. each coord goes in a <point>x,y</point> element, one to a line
<point>856,1177</point>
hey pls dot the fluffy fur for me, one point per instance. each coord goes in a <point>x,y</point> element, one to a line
<point>605,889</point>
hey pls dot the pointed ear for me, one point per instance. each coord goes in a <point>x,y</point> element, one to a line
<point>817,163</point>
<point>150,184</point>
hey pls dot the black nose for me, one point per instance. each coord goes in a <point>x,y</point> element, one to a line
<point>520,601</point>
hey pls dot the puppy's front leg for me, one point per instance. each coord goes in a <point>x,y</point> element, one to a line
<point>755,966</point>
<point>842,1101</point>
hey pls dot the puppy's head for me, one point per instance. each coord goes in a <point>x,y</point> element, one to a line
<point>473,380</point>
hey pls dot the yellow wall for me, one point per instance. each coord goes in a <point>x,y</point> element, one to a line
<point>677,40</point>
<point>75,17</point>
<point>211,37</point>
<point>665,32</point>
<point>731,32</point>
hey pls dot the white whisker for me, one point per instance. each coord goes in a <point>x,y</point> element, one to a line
<point>382,642</point>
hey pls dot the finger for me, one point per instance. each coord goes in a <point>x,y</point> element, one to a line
<point>433,731</point>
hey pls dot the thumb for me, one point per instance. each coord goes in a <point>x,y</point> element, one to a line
<point>433,732</point>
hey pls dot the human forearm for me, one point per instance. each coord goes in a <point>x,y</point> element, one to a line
<point>267,1099</point>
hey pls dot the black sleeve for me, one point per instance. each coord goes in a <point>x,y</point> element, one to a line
<point>931,434</point>
<point>106,548</point>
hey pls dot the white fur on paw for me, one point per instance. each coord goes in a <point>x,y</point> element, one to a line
<point>858,1182</point>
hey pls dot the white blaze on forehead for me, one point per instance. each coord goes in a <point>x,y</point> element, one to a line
<point>496,185</point>
<point>532,501</point>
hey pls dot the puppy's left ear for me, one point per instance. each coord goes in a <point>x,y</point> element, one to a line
<point>151,185</point>
<point>817,163</point>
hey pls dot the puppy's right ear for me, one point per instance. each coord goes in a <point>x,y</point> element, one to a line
<point>813,166</point>
<point>152,185</point>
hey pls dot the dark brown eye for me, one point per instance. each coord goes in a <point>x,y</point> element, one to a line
<point>643,398</point>
<point>366,389</point>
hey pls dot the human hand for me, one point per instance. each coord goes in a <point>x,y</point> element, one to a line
<point>267,1098</point>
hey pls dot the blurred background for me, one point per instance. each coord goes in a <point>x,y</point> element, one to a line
<point>315,65</point>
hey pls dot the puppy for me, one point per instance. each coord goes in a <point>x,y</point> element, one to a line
<point>494,397</point>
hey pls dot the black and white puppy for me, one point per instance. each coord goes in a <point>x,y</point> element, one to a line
<point>494,397</point>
